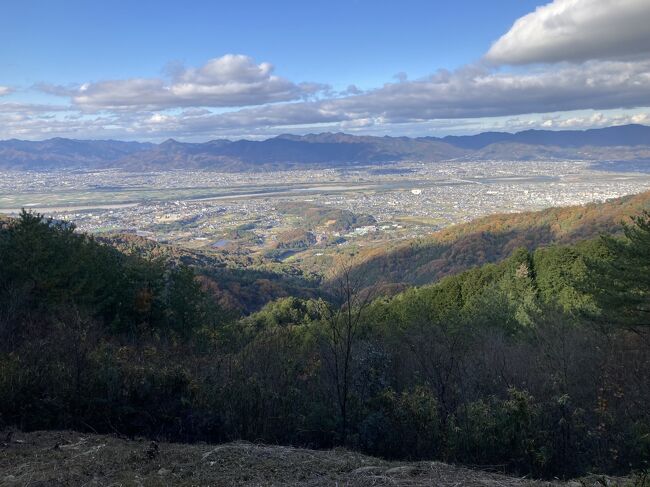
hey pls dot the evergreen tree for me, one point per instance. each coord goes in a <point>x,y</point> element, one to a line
<point>622,281</point>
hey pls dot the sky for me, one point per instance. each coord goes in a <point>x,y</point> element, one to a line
<point>151,70</point>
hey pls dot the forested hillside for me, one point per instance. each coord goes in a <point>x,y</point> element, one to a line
<point>539,364</point>
<point>238,283</point>
<point>495,237</point>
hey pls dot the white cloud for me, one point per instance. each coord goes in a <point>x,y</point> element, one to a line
<point>5,90</point>
<point>464,94</point>
<point>230,81</point>
<point>473,92</point>
<point>573,120</point>
<point>158,118</point>
<point>233,95</point>
<point>460,95</point>
<point>576,30</point>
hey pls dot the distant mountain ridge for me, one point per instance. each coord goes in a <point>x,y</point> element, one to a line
<point>621,135</point>
<point>626,142</point>
<point>59,152</point>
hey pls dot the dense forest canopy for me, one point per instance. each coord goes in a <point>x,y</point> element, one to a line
<point>539,363</point>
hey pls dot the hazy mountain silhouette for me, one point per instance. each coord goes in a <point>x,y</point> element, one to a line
<point>627,142</point>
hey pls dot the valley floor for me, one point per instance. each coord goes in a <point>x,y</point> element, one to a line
<point>58,458</point>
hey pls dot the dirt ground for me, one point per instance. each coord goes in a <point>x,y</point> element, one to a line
<point>58,458</point>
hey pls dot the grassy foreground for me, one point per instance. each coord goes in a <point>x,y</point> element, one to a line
<point>69,458</point>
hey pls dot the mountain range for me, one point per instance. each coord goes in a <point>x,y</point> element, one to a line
<point>626,142</point>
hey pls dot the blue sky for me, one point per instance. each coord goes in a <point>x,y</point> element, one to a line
<point>151,70</point>
<point>363,42</point>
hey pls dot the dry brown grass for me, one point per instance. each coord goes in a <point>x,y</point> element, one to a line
<point>68,458</point>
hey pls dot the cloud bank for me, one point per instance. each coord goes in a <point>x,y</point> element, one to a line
<point>467,93</point>
<point>233,80</point>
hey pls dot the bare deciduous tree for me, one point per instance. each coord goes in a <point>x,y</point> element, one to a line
<point>343,319</point>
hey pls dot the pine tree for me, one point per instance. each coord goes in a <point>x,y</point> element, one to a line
<point>622,281</point>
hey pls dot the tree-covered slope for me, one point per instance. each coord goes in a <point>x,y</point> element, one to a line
<point>494,237</point>
<point>539,364</point>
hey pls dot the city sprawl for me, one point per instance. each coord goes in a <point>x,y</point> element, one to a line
<point>253,209</point>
